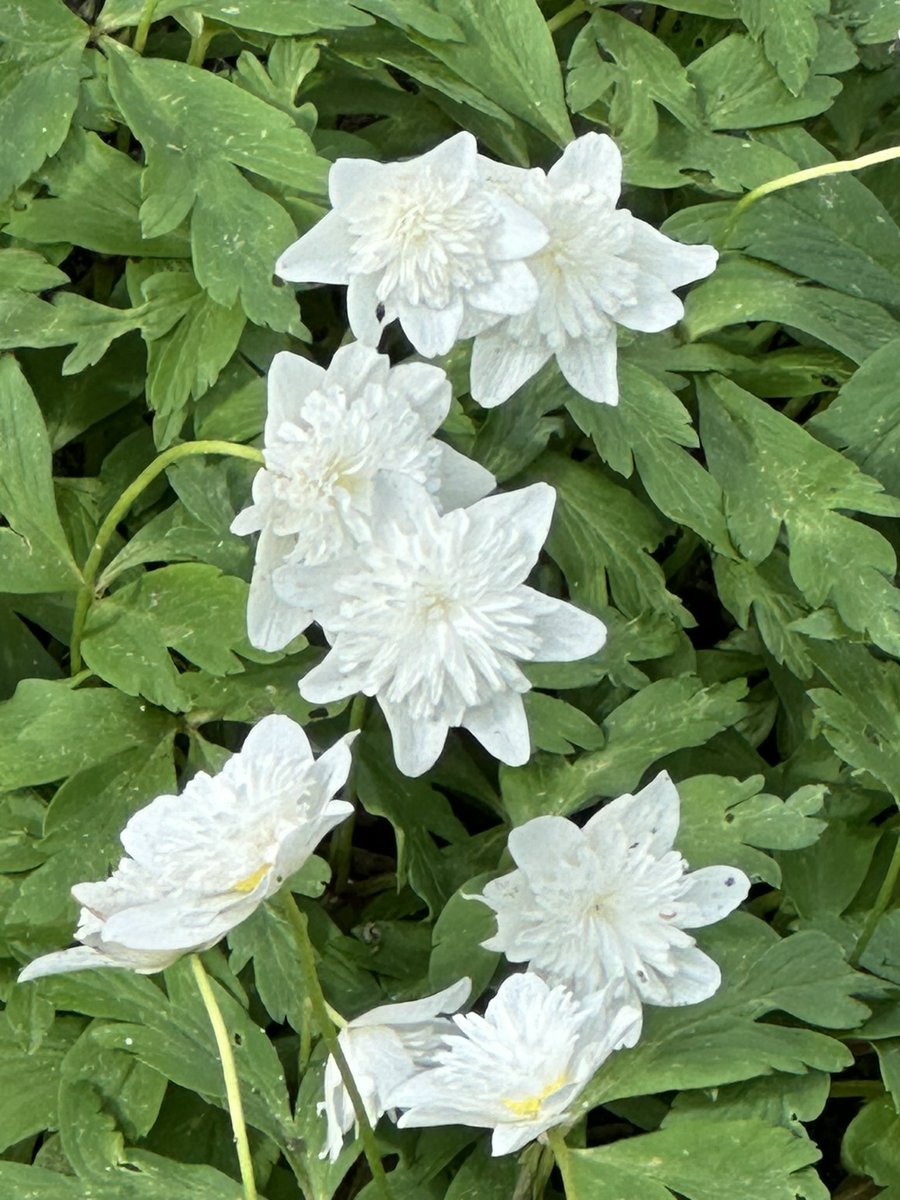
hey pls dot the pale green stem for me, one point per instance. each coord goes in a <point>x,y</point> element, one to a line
<point>341,849</point>
<point>835,168</point>
<point>232,1087</point>
<point>327,1029</point>
<point>563,1161</point>
<point>117,513</point>
<point>882,900</point>
<point>567,14</point>
<point>199,46</point>
<point>143,29</point>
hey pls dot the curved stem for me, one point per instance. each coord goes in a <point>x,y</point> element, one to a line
<point>117,512</point>
<point>882,900</point>
<point>341,848</point>
<point>143,29</point>
<point>563,1161</point>
<point>567,14</point>
<point>326,1028</point>
<point>835,168</point>
<point>232,1087</point>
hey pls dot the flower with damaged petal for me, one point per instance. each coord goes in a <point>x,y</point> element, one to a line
<point>423,241</point>
<point>601,267</point>
<point>520,1068</point>
<point>327,435</point>
<point>431,615</point>
<point>383,1049</point>
<point>198,864</point>
<point>609,903</point>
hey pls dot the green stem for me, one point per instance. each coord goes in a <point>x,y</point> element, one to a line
<point>835,168</point>
<point>116,514</point>
<point>567,14</point>
<point>861,1089</point>
<point>143,29</point>
<point>882,900</point>
<point>199,47</point>
<point>232,1087</point>
<point>563,1161</point>
<point>341,849</point>
<point>326,1028</point>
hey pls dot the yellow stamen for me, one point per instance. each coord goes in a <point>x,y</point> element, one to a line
<point>249,882</point>
<point>531,1107</point>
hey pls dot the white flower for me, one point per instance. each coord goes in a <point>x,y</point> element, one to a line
<point>519,1069</point>
<point>601,267</point>
<point>383,1048</point>
<point>432,617</point>
<point>200,863</point>
<point>327,435</point>
<point>425,241</point>
<point>610,902</point>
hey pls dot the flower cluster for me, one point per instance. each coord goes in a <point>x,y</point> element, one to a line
<point>198,864</point>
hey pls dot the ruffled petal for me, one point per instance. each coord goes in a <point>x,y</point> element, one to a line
<point>417,742</point>
<point>502,728</point>
<point>513,292</point>
<point>321,256</point>
<point>501,363</point>
<point>649,818</point>
<point>432,331</point>
<point>589,366</point>
<point>363,308</point>
<point>593,159</point>
<point>708,895</point>
<point>271,622</point>
<point>426,389</point>
<point>290,379</point>
<point>328,681</point>
<point>545,847</point>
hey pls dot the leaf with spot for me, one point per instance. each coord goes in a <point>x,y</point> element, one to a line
<point>789,34</point>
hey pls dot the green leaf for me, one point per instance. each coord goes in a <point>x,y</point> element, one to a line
<point>142,1177</point>
<point>267,937</point>
<point>741,290</point>
<point>651,429</point>
<point>663,717</point>
<point>197,130</point>
<point>285,18</point>
<point>768,590</point>
<point>34,553</point>
<point>27,271</point>
<point>29,1080</point>
<point>40,71</point>
<point>724,1040</point>
<point>458,933</point>
<point>775,474</point>
<point>559,727</point>
<point>870,1145</point>
<point>698,1160</point>
<point>789,35</point>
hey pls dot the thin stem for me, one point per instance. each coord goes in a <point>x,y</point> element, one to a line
<point>341,849</point>
<point>836,168</point>
<point>199,47</point>
<point>567,14</point>
<point>563,1161</point>
<point>143,29</point>
<point>232,1087</point>
<point>861,1089</point>
<point>116,514</point>
<point>326,1028</point>
<point>882,900</point>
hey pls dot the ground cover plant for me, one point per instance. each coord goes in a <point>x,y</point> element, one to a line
<point>448,690</point>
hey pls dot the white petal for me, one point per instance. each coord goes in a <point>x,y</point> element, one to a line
<point>362,309</point>
<point>290,379</point>
<point>180,922</point>
<point>502,728</point>
<point>593,159</point>
<point>333,766</point>
<point>695,977</point>
<point>321,256</point>
<point>426,389</point>
<point>521,233</point>
<point>310,589</point>
<point>710,894</point>
<point>273,740</point>
<point>513,292</point>
<point>507,1139</point>
<point>463,481</point>
<point>271,622</point>
<point>589,366</point>
<point>412,1012</point>
<point>356,365</point>
<point>328,682</point>
<point>417,742</point>
<point>454,158</point>
<point>350,178</point>
<point>567,633</point>
<point>502,363</point>
<point>432,331</point>
<point>673,263</point>
<point>527,514</point>
<point>650,817</point>
<point>657,307</point>
<point>545,847</point>
<point>62,962</point>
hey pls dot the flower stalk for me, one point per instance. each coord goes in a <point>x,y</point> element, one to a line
<point>108,527</point>
<point>229,1070</point>
<point>819,172</point>
<point>563,1160</point>
<point>342,839</point>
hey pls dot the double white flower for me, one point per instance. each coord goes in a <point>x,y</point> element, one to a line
<point>198,864</point>
<point>424,241</point>
<point>432,616</point>
<point>609,903</point>
<point>328,434</point>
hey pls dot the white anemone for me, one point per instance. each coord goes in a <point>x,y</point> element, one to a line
<point>520,1068</point>
<point>425,241</point>
<point>327,435</point>
<point>383,1048</point>
<point>432,616</point>
<point>609,903</point>
<point>601,267</point>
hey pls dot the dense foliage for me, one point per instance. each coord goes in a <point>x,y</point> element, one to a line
<point>731,520</point>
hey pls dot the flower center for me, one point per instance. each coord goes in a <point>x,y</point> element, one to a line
<point>530,1107</point>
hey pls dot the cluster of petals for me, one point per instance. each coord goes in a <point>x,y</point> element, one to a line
<point>432,615</point>
<point>328,434</point>
<point>198,864</point>
<point>535,265</point>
